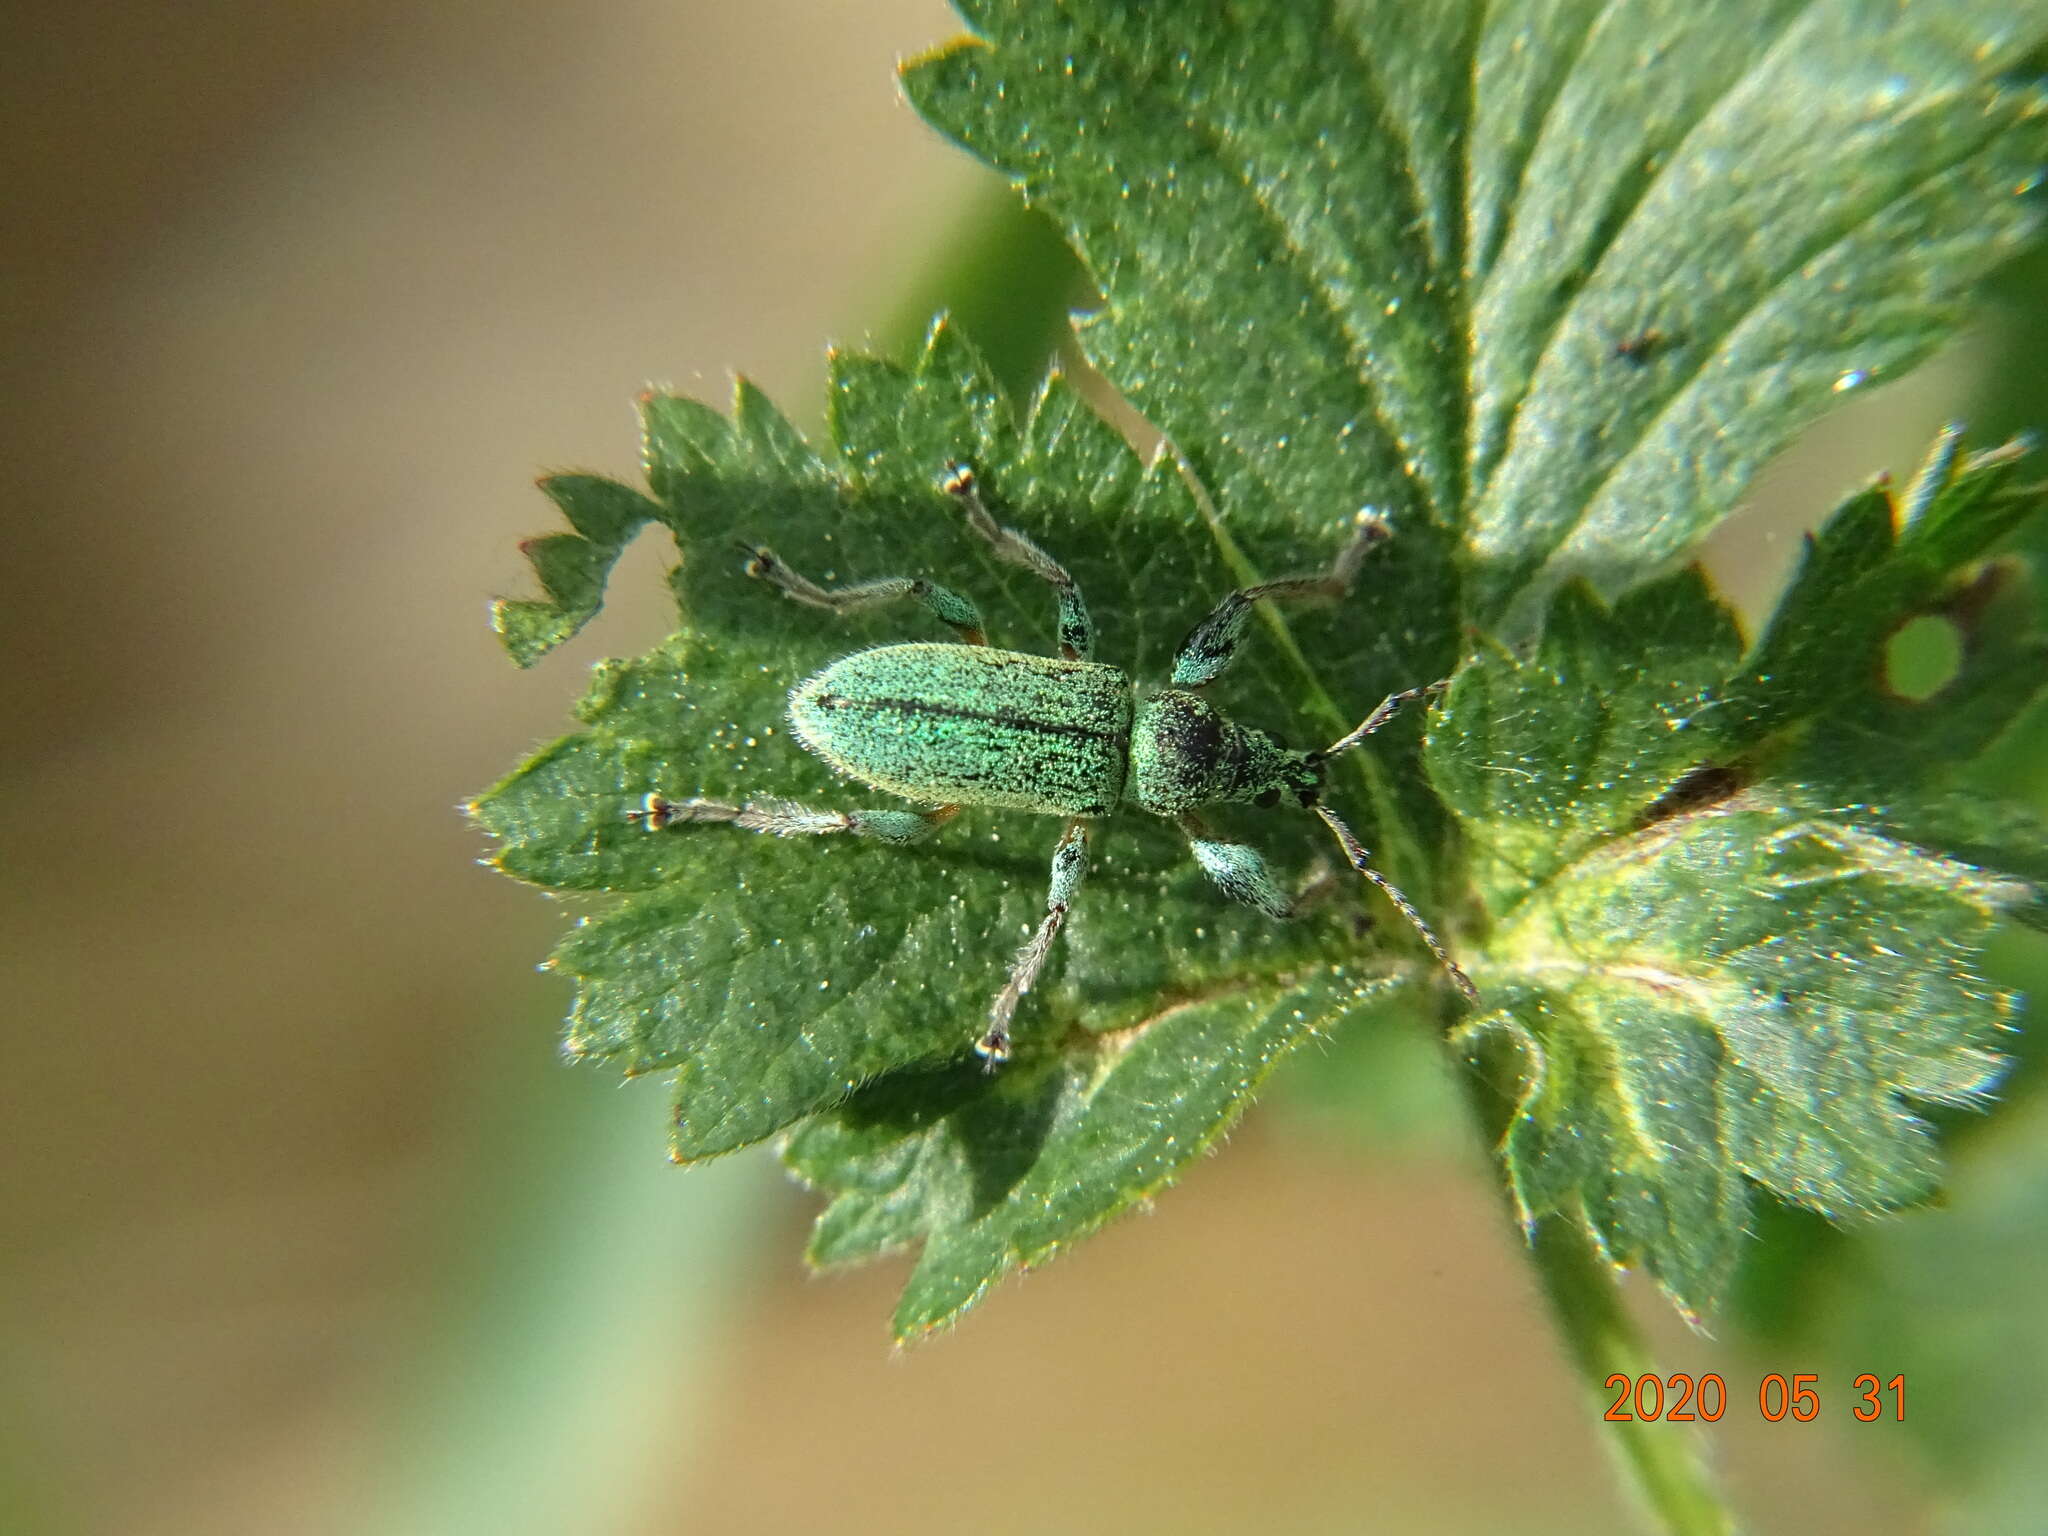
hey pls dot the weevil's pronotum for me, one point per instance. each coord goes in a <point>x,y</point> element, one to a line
<point>952,725</point>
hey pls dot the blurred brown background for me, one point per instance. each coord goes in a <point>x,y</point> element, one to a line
<point>304,1228</point>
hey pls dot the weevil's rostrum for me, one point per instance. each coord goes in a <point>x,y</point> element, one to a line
<point>964,724</point>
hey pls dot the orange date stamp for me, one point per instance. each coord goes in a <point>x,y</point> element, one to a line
<point>1682,1399</point>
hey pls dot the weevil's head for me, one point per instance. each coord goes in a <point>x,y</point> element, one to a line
<point>1186,753</point>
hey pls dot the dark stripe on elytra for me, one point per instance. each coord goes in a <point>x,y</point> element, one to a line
<point>949,712</point>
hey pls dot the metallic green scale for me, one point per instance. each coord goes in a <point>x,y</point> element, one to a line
<point>945,726</point>
<point>971,725</point>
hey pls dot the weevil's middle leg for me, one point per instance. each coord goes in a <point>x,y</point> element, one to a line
<point>1069,864</point>
<point>1212,644</point>
<point>1077,630</point>
<point>949,606</point>
<point>785,818</point>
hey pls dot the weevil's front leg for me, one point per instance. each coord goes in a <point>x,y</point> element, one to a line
<point>1077,630</point>
<point>1241,873</point>
<point>785,818</point>
<point>949,606</point>
<point>1069,864</point>
<point>1212,644</point>
<point>1356,856</point>
<point>1382,712</point>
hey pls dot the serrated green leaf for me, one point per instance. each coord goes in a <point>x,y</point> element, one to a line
<point>1552,763</point>
<point>992,1173</point>
<point>1715,956</point>
<point>1545,282</point>
<point>572,567</point>
<point>1951,1301</point>
<point>1879,562</point>
<point>773,976</point>
<point>1792,199</point>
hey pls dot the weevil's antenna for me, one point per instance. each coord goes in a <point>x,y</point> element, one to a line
<point>1356,856</point>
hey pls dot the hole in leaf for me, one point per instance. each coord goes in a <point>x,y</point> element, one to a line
<point>1923,657</point>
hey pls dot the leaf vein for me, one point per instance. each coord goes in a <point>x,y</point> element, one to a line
<point>1681,387</point>
<point>1357,353</point>
<point>1506,227</point>
<point>1383,113</point>
<point>1588,267</point>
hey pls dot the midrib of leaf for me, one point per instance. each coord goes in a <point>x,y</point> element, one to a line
<point>1397,130</point>
<point>1315,273</point>
<point>1314,278</point>
<point>1316,258</point>
<point>1525,939</point>
<point>1407,854</point>
<point>1109,1043</point>
<point>1504,228</point>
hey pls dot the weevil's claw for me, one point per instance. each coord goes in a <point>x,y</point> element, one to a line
<point>655,813</point>
<point>993,1048</point>
<point>958,479</point>
<point>761,561</point>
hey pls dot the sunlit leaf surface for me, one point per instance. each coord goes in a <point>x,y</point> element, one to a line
<point>1545,283</point>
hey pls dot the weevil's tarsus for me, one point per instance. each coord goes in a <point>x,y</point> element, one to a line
<point>1360,860</point>
<point>786,818</point>
<point>1069,864</point>
<point>1077,630</point>
<point>1212,644</point>
<point>1933,475</point>
<point>951,609</point>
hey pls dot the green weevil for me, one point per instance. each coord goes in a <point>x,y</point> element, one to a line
<point>951,725</point>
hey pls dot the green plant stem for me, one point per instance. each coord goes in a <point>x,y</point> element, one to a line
<point>1659,1460</point>
<point>1662,1459</point>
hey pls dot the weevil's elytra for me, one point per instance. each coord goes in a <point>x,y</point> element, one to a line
<point>959,724</point>
<point>972,724</point>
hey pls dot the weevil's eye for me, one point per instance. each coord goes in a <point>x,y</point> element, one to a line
<point>1267,799</point>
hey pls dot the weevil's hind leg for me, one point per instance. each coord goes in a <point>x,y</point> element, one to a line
<point>1360,860</point>
<point>1077,630</point>
<point>1212,644</point>
<point>785,818</point>
<point>1069,864</point>
<point>1382,712</point>
<point>949,606</point>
